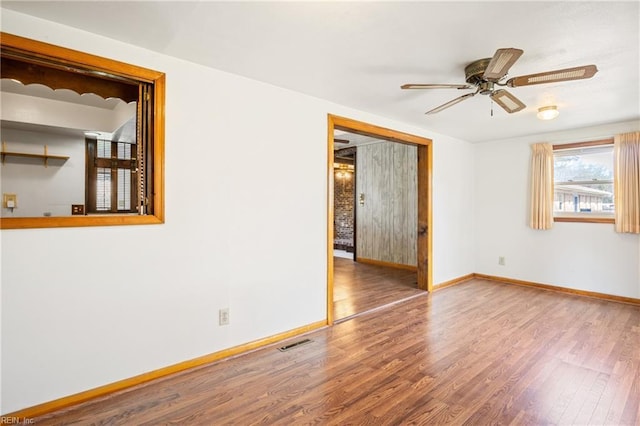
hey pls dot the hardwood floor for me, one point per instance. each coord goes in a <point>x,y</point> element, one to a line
<point>359,287</point>
<point>475,353</point>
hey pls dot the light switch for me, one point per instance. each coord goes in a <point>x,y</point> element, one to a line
<point>9,201</point>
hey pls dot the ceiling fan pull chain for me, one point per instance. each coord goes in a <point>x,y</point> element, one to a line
<point>492,107</point>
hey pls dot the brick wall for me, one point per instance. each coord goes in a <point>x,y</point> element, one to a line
<point>343,209</point>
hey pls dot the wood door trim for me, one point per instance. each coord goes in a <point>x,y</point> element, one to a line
<point>425,232</point>
<point>425,210</point>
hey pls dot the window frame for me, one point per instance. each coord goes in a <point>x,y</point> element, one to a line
<point>95,64</point>
<point>584,217</point>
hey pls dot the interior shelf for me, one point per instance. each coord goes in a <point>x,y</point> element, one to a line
<point>45,156</point>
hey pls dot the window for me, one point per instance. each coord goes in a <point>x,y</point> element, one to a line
<point>111,169</point>
<point>123,179</point>
<point>583,181</point>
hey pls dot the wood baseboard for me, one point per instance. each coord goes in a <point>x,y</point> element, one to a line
<point>78,398</point>
<point>387,264</point>
<point>454,281</point>
<point>586,293</point>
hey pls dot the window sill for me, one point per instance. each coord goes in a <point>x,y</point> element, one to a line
<point>78,221</point>
<point>584,219</point>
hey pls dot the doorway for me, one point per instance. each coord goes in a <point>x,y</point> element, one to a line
<point>344,199</point>
<point>424,214</point>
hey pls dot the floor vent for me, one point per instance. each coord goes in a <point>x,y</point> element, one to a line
<point>294,345</point>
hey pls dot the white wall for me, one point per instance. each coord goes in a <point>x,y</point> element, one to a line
<point>453,214</point>
<point>584,256</point>
<point>43,189</point>
<point>67,328</point>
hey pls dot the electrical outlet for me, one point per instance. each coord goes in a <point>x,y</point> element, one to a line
<point>501,260</point>
<point>223,316</point>
<point>77,209</point>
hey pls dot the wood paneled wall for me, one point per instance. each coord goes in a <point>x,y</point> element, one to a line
<point>387,222</point>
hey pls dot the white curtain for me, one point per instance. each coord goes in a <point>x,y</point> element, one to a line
<point>541,214</point>
<point>626,182</point>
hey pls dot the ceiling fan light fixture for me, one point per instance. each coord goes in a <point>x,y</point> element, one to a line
<point>548,113</point>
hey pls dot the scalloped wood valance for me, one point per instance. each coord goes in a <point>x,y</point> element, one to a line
<point>69,78</point>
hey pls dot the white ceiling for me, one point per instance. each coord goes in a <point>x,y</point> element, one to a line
<point>359,53</point>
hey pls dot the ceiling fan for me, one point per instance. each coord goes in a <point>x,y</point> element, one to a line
<point>484,75</point>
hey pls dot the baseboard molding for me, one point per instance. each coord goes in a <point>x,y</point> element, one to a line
<point>454,281</point>
<point>387,264</point>
<point>78,398</point>
<point>593,294</point>
<point>585,293</point>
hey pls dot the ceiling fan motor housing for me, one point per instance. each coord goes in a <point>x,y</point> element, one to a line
<point>474,72</point>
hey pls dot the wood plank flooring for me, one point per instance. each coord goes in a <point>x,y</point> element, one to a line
<point>360,287</point>
<point>475,353</point>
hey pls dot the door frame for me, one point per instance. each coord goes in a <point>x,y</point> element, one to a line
<point>425,211</point>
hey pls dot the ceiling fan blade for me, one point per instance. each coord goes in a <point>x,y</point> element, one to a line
<point>451,103</point>
<point>577,73</point>
<point>336,140</point>
<point>435,86</point>
<point>499,65</point>
<point>507,101</point>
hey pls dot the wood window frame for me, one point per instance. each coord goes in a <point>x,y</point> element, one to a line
<point>96,65</point>
<point>583,219</point>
